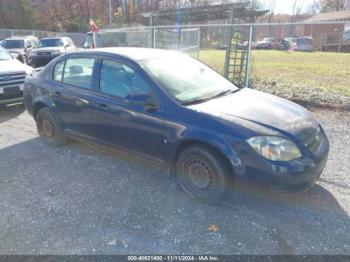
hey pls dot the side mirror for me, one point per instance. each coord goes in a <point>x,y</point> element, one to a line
<point>140,98</point>
<point>148,101</point>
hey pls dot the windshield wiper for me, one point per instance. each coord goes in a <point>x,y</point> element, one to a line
<point>195,101</point>
<point>205,99</point>
<point>223,93</point>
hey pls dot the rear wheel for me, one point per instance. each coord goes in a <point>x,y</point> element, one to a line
<point>49,127</point>
<point>202,174</point>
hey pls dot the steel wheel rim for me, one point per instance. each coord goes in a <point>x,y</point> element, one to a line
<point>47,128</point>
<point>200,175</point>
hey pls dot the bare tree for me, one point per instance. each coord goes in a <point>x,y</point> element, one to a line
<point>297,9</point>
<point>271,7</point>
<point>271,14</point>
<point>333,5</point>
<point>313,8</point>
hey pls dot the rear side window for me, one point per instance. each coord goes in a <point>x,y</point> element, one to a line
<point>58,71</point>
<point>78,72</point>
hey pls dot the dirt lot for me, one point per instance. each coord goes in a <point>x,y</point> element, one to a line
<point>86,199</point>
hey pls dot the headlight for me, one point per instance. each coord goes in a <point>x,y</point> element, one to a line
<point>30,73</point>
<point>274,148</point>
<point>15,55</point>
<point>56,52</point>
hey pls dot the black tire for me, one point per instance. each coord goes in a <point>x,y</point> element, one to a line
<point>20,58</point>
<point>202,174</point>
<point>49,127</point>
<point>25,60</point>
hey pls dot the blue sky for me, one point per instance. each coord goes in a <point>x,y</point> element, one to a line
<point>286,6</point>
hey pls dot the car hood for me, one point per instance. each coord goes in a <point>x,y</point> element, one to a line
<point>263,111</point>
<point>13,65</point>
<point>14,50</point>
<point>52,48</point>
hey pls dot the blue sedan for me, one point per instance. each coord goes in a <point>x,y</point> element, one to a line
<point>171,108</point>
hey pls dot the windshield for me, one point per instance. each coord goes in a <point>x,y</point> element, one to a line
<point>50,43</point>
<point>4,55</point>
<point>268,39</point>
<point>13,44</point>
<point>304,41</point>
<point>187,79</point>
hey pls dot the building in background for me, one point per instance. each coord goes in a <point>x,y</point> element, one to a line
<point>330,37</point>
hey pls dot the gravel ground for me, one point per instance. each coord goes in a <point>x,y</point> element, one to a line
<point>87,199</point>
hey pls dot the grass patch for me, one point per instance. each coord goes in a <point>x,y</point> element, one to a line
<point>318,76</point>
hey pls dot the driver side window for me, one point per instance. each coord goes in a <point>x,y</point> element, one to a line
<point>120,80</point>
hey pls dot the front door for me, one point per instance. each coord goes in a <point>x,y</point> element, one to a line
<point>122,121</point>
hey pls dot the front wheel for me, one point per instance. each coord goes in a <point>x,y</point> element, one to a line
<point>49,127</point>
<point>202,174</point>
<point>25,60</point>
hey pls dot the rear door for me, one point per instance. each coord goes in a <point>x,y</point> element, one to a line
<point>74,94</point>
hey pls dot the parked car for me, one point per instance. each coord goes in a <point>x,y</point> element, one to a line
<point>267,43</point>
<point>12,75</point>
<point>88,43</point>
<point>283,45</point>
<point>172,108</point>
<point>20,47</point>
<point>50,48</point>
<point>304,43</point>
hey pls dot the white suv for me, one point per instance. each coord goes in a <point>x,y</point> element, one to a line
<point>50,48</point>
<point>12,75</point>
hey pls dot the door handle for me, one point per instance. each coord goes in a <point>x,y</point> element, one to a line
<point>103,106</point>
<point>54,94</point>
<point>81,102</point>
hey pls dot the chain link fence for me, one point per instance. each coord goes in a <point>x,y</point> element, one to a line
<point>299,61</point>
<point>176,38</point>
<point>307,61</point>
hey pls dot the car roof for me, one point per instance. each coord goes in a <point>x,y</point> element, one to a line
<point>21,37</point>
<point>16,38</point>
<point>48,38</point>
<point>135,53</point>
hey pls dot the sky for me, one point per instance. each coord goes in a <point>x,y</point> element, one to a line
<point>286,6</point>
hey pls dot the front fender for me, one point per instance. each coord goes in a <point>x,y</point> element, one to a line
<point>218,142</point>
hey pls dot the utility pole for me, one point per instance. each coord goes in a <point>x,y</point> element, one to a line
<point>110,12</point>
